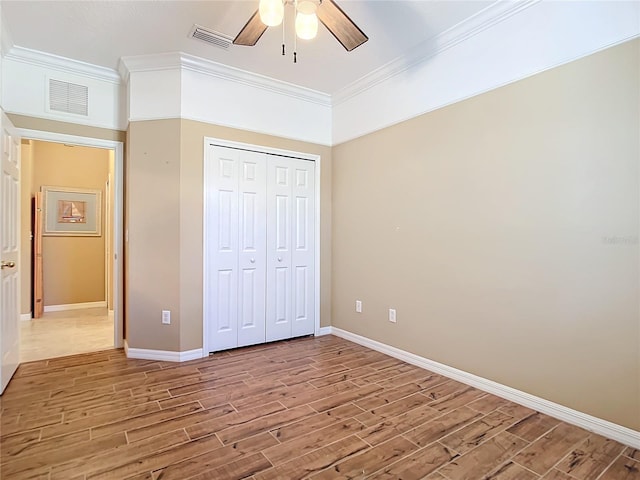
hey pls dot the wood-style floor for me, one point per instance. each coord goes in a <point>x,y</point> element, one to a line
<point>320,408</point>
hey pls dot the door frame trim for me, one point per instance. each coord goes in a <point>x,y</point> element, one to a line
<point>118,207</point>
<point>317,159</point>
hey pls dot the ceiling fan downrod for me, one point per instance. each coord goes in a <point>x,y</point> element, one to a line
<point>273,12</point>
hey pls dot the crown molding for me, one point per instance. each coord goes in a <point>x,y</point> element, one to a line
<point>468,28</point>
<point>63,64</point>
<point>148,63</point>
<point>171,61</point>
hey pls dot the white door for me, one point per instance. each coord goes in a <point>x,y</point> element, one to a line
<point>235,257</point>
<point>259,247</point>
<point>303,248</point>
<point>290,246</point>
<point>9,242</point>
<point>252,220</point>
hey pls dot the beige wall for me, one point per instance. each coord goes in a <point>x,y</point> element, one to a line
<point>504,230</point>
<point>74,267</point>
<point>26,161</point>
<point>42,124</point>
<point>164,209</point>
<point>152,217</point>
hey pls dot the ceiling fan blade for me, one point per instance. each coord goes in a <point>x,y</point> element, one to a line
<point>251,32</point>
<point>340,25</point>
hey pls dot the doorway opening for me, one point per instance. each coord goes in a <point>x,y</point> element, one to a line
<point>73,275</point>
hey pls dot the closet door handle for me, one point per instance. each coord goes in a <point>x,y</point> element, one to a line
<point>279,259</point>
<point>253,260</point>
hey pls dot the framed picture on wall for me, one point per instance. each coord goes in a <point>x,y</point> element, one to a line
<point>71,211</point>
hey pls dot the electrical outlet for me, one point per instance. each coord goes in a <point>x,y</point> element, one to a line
<point>392,315</point>
<point>358,306</point>
<point>166,317</point>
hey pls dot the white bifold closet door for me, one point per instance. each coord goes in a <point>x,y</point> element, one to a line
<point>238,263</point>
<point>290,248</point>
<point>259,247</point>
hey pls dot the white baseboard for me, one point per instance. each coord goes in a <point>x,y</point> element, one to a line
<point>323,331</point>
<point>25,317</point>
<point>162,355</point>
<point>74,306</point>
<point>594,424</point>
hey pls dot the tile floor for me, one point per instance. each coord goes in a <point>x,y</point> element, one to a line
<point>320,408</point>
<point>57,334</point>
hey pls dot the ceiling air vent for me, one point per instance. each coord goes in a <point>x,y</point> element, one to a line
<point>68,97</point>
<point>211,37</point>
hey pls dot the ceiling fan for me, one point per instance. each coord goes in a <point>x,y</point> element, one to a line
<point>308,12</point>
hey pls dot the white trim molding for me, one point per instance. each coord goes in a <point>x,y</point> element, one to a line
<point>50,61</point>
<point>594,424</point>
<point>320,331</point>
<point>26,317</point>
<point>74,306</point>
<point>465,30</point>
<point>162,355</point>
<point>184,61</point>
<point>118,211</point>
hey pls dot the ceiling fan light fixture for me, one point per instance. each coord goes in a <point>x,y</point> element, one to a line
<point>271,12</point>
<point>308,13</point>
<point>306,20</point>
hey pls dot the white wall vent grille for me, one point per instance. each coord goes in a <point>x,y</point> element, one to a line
<point>210,36</point>
<point>68,97</point>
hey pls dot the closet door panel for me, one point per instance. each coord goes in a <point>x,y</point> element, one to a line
<point>279,239</point>
<point>252,250</point>
<point>303,251</point>
<point>225,302</point>
<point>281,297</point>
<point>221,248</point>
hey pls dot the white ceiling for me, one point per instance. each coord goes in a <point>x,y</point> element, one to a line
<point>101,32</point>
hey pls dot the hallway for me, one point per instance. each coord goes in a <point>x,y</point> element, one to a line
<point>67,332</point>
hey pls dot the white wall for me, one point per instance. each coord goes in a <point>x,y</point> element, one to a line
<point>154,95</point>
<point>232,104</point>
<point>25,78</point>
<point>181,86</point>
